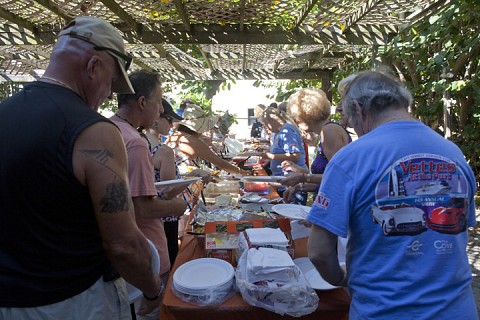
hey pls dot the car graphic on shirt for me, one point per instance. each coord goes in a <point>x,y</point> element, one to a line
<point>450,218</point>
<point>432,188</point>
<point>399,219</point>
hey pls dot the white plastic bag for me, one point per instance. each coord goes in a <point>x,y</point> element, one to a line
<point>294,297</point>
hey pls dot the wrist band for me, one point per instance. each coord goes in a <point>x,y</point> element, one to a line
<point>156,297</point>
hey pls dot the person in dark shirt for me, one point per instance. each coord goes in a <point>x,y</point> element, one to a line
<point>68,230</point>
<point>257,128</point>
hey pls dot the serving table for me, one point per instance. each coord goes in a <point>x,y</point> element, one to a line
<point>333,304</point>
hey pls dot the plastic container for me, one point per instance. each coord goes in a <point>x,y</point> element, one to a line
<point>222,187</point>
<point>262,188</point>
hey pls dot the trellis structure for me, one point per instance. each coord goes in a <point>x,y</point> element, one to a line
<point>214,39</point>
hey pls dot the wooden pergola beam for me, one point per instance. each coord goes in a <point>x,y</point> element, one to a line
<point>7,15</point>
<point>304,14</point>
<point>244,57</point>
<point>207,59</point>
<point>164,54</point>
<point>248,75</point>
<point>314,57</point>
<point>229,34</point>
<point>259,34</point>
<point>139,30</point>
<point>242,14</point>
<point>143,65</point>
<point>183,15</point>
<point>55,9</point>
<point>122,14</point>
<point>39,53</point>
<point>18,59</point>
<point>363,10</point>
<point>427,11</point>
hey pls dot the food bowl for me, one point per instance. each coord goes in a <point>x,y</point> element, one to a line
<point>257,187</point>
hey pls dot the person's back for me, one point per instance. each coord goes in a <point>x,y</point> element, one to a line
<point>405,196</point>
<point>320,162</point>
<point>67,212</point>
<point>40,190</point>
<point>401,263</point>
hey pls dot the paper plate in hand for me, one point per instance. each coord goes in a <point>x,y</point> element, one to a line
<point>292,211</point>
<point>269,179</point>
<point>311,274</point>
<point>250,154</point>
<point>168,184</point>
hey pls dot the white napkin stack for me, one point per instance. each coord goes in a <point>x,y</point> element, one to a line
<point>266,236</point>
<point>267,264</point>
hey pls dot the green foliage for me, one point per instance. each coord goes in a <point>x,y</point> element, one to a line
<point>110,104</point>
<point>202,92</point>
<point>196,91</point>
<point>9,88</point>
<point>285,88</point>
<point>439,59</point>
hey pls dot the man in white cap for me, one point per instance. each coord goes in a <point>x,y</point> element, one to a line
<point>68,229</point>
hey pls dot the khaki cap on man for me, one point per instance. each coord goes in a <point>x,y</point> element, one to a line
<point>105,38</point>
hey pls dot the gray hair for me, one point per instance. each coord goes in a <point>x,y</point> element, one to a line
<point>375,93</point>
<point>344,83</point>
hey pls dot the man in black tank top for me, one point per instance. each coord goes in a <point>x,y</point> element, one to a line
<point>67,216</point>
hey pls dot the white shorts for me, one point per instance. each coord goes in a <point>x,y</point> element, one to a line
<point>103,300</point>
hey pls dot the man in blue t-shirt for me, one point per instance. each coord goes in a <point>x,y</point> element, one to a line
<point>404,195</point>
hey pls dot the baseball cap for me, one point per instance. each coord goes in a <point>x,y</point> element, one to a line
<point>104,37</point>
<point>168,110</point>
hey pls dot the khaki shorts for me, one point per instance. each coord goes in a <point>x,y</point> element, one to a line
<point>103,300</point>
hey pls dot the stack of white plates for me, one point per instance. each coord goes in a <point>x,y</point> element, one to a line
<point>203,276</point>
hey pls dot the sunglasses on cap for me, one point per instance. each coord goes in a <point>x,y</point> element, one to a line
<point>127,58</point>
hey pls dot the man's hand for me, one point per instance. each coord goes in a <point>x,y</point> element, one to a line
<point>205,175</point>
<point>291,179</point>
<point>289,194</point>
<point>148,306</point>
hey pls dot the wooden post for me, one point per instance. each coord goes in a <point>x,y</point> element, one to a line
<point>327,84</point>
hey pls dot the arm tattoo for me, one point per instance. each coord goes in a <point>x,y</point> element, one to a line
<point>101,156</point>
<point>116,197</point>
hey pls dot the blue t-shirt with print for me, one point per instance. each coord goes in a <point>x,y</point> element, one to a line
<point>287,140</point>
<point>405,196</point>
